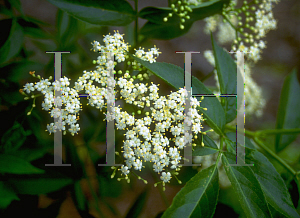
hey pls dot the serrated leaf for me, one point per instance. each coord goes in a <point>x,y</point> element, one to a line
<point>15,165</point>
<point>198,198</point>
<point>288,115</point>
<point>227,76</point>
<point>174,76</point>
<point>247,188</point>
<point>35,186</point>
<point>209,147</point>
<point>105,12</point>
<point>272,184</point>
<point>7,195</point>
<point>13,44</point>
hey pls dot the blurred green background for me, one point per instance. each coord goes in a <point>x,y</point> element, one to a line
<point>32,27</point>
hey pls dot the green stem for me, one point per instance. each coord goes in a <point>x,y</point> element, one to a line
<point>278,131</point>
<point>255,136</point>
<point>248,133</point>
<point>91,189</point>
<point>221,142</point>
<point>226,18</point>
<point>95,197</point>
<point>275,156</point>
<point>207,76</point>
<point>164,197</point>
<point>162,193</point>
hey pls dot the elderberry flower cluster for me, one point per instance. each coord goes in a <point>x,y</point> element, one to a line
<point>68,98</point>
<point>158,137</point>
<point>245,23</point>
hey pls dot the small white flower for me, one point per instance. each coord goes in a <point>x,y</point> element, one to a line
<point>165,177</point>
<point>29,87</point>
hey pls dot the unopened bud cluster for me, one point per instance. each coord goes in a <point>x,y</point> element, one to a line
<point>245,25</point>
<point>182,9</point>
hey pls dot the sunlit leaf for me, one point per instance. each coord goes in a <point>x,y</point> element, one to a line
<point>198,198</point>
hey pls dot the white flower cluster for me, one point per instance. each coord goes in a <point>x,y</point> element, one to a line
<point>69,98</point>
<point>245,33</point>
<point>142,144</point>
<point>145,138</point>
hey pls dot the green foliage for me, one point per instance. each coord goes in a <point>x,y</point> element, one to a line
<point>7,195</point>
<point>14,42</point>
<point>14,165</point>
<point>41,185</point>
<point>117,13</point>
<point>227,75</point>
<point>288,111</point>
<point>25,147</point>
<point>209,147</point>
<point>199,196</point>
<point>247,188</point>
<point>156,28</point>
<point>259,186</point>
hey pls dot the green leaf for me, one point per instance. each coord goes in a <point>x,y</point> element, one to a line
<point>201,11</point>
<point>247,187</point>
<point>31,29</point>
<point>198,198</point>
<point>137,206</point>
<point>288,115</point>
<point>18,71</point>
<point>209,147</point>
<point>16,165</point>
<point>17,4</point>
<point>164,31</point>
<point>272,184</point>
<point>207,9</point>
<point>7,195</point>
<point>156,28</point>
<point>227,76</point>
<point>105,12</point>
<point>79,196</point>
<point>67,29</point>
<point>35,186</point>
<point>174,76</point>
<point>30,154</point>
<point>14,138</point>
<point>232,137</point>
<point>13,44</point>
